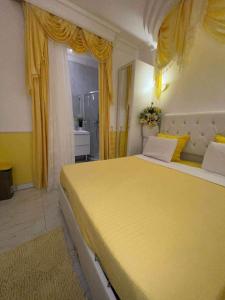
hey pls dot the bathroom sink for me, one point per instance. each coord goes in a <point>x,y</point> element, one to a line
<point>81,131</point>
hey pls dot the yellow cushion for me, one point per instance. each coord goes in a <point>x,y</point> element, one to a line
<point>219,138</point>
<point>181,143</point>
<point>191,163</point>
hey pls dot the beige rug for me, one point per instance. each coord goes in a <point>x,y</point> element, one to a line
<point>39,269</point>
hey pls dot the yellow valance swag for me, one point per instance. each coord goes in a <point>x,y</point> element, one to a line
<point>177,31</point>
<point>214,19</point>
<point>173,36</point>
<point>39,26</point>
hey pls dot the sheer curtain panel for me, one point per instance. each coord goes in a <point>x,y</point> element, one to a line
<point>61,142</point>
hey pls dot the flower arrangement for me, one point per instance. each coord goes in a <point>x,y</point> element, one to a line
<point>150,116</point>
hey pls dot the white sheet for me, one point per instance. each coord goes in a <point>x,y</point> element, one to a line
<point>198,172</point>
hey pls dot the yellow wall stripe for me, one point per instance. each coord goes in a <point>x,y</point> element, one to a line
<point>16,148</point>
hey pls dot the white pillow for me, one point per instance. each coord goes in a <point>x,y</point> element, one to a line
<point>160,148</point>
<point>214,159</point>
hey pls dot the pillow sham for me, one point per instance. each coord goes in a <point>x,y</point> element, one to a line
<point>219,138</point>
<point>214,158</point>
<point>160,148</point>
<point>181,143</point>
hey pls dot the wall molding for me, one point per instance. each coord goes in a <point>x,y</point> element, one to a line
<point>79,16</point>
<point>126,47</point>
<point>155,12</point>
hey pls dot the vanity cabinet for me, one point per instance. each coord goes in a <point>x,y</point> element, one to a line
<point>82,142</point>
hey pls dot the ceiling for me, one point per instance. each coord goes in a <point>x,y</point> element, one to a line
<point>140,18</point>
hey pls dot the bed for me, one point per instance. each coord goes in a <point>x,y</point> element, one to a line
<point>148,230</point>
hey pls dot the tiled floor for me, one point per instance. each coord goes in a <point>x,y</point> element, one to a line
<point>31,213</point>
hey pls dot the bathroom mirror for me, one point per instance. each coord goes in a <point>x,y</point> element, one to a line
<point>123,108</point>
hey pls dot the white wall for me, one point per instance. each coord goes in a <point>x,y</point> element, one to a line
<point>147,55</point>
<point>15,105</point>
<point>201,85</point>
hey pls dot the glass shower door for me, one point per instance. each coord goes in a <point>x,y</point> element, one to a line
<point>91,121</point>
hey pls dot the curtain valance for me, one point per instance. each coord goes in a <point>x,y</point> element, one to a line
<point>172,39</point>
<point>80,40</point>
<point>214,20</point>
<point>175,32</point>
<point>47,25</point>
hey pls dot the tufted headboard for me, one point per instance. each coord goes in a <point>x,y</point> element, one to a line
<point>202,128</point>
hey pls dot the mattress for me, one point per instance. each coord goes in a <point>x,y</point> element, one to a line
<point>158,233</point>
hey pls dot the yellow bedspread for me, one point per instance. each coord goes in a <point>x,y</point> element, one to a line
<point>159,233</point>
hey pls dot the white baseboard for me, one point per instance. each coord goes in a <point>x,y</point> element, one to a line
<point>24,186</point>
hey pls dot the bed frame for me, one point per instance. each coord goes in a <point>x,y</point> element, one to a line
<point>99,286</point>
<point>202,127</point>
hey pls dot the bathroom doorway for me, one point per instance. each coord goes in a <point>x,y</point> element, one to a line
<point>83,70</point>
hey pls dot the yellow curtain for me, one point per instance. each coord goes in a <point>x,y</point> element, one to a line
<point>172,39</point>
<point>214,19</point>
<point>123,134</point>
<point>122,147</point>
<point>112,143</point>
<point>39,26</point>
<point>37,83</point>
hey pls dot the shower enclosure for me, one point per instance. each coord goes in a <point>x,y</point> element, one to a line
<point>86,107</point>
<point>90,114</point>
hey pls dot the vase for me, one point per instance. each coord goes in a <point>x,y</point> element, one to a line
<point>150,131</point>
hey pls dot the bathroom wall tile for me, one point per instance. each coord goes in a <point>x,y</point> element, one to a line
<point>83,78</point>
